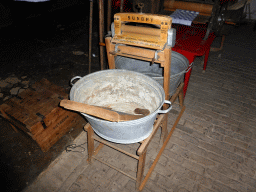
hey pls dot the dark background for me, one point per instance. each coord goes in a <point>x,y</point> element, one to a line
<point>37,41</point>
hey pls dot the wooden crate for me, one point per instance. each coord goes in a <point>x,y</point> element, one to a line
<point>35,111</point>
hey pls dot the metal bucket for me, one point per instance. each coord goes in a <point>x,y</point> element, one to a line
<point>179,66</point>
<point>123,91</point>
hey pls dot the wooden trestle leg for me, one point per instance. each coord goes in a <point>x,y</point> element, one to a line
<point>164,131</point>
<point>90,143</point>
<point>167,65</point>
<point>140,170</point>
<point>161,151</point>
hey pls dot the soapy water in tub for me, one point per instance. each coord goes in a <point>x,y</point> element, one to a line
<point>123,94</point>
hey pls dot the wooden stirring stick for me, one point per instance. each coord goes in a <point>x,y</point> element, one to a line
<point>100,112</point>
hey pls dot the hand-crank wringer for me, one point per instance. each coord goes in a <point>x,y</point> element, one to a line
<point>153,38</point>
<point>150,44</point>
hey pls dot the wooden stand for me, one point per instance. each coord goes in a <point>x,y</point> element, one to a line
<point>164,61</point>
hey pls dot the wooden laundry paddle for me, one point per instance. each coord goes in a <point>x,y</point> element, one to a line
<point>100,112</point>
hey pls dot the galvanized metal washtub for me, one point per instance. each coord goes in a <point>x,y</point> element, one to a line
<point>179,66</point>
<point>123,91</point>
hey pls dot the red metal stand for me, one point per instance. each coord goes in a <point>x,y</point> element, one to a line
<point>190,43</point>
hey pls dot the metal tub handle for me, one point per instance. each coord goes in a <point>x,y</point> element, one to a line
<point>189,67</point>
<point>76,77</point>
<point>167,110</point>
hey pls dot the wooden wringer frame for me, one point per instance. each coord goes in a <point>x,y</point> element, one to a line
<point>149,44</point>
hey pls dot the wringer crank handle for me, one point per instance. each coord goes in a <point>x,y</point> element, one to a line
<point>140,5</point>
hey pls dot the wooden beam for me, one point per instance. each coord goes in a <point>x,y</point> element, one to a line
<point>116,148</point>
<point>101,32</point>
<point>109,15</point>
<point>90,35</point>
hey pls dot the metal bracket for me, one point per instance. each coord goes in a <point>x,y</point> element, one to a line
<point>42,121</point>
<point>116,49</point>
<point>156,57</point>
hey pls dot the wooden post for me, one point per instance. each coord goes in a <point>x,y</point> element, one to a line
<point>167,67</point>
<point>167,72</point>
<point>90,35</point>
<point>109,15</point>
<point>101,32</point>
<point>110,48</point>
